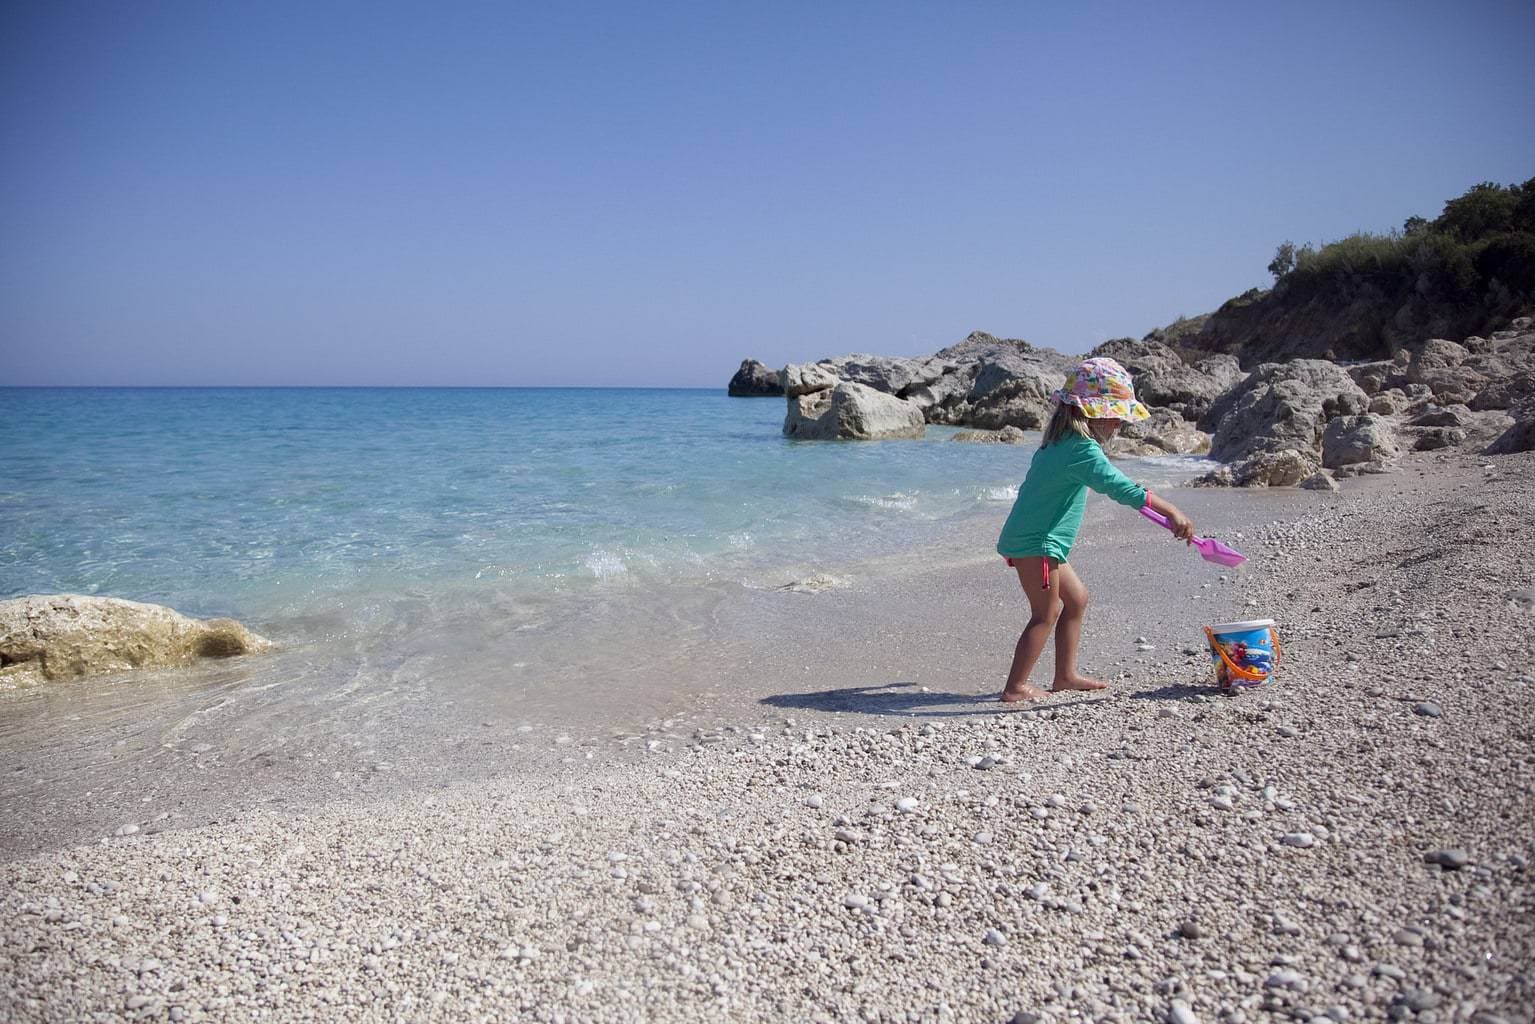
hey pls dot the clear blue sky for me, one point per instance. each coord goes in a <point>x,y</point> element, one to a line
<point>628,193</point>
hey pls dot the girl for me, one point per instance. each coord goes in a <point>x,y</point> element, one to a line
<point>1039,532</point>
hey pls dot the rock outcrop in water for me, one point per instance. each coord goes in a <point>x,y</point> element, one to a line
<point>753,380</point>
<point>849,411</point>
<point>983,382</point>
<point>1284,423</point>
<point>991,383</point>
<point>67,636</point>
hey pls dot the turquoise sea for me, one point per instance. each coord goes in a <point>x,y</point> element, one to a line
<point>444,571</point>
<point>257,503</point>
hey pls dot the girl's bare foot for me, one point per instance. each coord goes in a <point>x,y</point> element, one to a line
<point>1023,694</point>
<point>1077,682</point>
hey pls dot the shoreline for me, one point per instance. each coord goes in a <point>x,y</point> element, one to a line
<point>841,867</point>
<point>426,691</point>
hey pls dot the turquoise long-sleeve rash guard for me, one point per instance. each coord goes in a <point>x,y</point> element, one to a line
<point>1048,510</point>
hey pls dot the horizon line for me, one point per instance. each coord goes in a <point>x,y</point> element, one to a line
<point>370,387</point>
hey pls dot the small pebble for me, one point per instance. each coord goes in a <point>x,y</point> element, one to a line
<point>1450,859</point>
<point>1181,1013</point>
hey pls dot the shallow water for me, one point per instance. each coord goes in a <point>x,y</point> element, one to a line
<point>456,579</point>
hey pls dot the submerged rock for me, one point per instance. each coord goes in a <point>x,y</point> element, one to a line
<point>1007,435</point>
<point>67,636</point>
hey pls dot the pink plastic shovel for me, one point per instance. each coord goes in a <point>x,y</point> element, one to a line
<point>1210,549</point>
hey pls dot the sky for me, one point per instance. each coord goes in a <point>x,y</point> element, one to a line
<point>462,193</point>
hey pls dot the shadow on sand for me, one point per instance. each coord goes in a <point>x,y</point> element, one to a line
<point>1177,691</point>
<point>908,700</point>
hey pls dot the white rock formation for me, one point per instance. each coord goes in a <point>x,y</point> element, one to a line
<point>66,636</point>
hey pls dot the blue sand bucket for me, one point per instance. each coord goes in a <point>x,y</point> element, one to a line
<point>1244,653</point>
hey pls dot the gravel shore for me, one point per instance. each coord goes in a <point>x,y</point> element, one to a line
<point>1351,843</point>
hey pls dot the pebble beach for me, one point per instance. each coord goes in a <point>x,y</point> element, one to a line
<point>1352,842</point>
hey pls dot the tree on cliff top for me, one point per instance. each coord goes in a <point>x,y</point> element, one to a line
<point>1483,242</point>
<point>1468,271</point>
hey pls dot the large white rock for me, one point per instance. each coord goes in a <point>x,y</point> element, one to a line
<point>1283,407</point>
<point>806,378</point>
<point>65,636</point>
<point>853,412</point>
<point>1350,439</point>
<point>1284,468</point>
<point>1165,431</point>
<point>891,374</point>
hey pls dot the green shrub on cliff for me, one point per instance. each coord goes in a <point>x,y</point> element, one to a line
<point>1483,242</point>
<point>1468,271</point>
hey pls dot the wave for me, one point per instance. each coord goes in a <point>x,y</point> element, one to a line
<point>606,565</point>
<point>898,502</point>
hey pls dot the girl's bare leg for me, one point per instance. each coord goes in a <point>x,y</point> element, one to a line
<point>1068,632</point>
<point>1044,608</point>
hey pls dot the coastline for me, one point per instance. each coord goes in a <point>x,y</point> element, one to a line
<point>780,872</point>
<point>407,687</point>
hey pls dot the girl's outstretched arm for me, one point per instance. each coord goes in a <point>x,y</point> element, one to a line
<point>1183,526</point>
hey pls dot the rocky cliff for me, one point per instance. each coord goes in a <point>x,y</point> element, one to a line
<point>1468,272</point>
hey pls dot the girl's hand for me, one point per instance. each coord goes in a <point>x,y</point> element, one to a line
<point>1183,526</point>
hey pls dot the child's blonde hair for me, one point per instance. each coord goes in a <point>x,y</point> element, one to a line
<point>1068,419</point>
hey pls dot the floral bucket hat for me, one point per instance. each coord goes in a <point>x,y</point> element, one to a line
<point>1101,388</point>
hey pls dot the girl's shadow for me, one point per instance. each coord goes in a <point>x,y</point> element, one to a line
<point>908,700</point>
<point>1176,691</point>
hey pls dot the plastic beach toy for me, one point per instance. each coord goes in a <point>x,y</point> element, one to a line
<point>1210,549</point>
<point>1243,653</point>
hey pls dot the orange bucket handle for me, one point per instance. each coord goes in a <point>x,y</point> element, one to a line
<point>1237,670</point>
